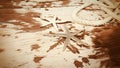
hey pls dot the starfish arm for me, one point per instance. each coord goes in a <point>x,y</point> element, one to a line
<point>78,40</point>
<point>54,23</point>
<point>66,43</point>
<point>75,33</point>
<point>66,30</point>
<point>56,35</point>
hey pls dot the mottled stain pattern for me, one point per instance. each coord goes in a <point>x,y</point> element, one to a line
<point>78,64</point>
<point>1,50</point>
<point>37,59</point>
<point>18,50</point>
<point>55,44</point>
<point>73,49</point>
<point>85,60</point>
<point>65,2</point>
<point>34,47</point>
<point>3,26</point>
<point>106,37</point>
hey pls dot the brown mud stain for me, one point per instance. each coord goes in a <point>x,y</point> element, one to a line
<point>78,64</point>
<point>1,50</point>
<point>37,59</point>
<point>34,47</point>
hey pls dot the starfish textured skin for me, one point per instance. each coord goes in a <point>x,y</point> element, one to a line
<point>69,36</point>
<point>96,22</point>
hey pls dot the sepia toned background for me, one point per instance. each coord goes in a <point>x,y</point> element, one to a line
<point>26,41</point>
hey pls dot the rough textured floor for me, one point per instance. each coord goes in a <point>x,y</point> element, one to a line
<point>29,38</point>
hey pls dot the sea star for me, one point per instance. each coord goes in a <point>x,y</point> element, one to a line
<point>53,22</point>
<point>68,36</point>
